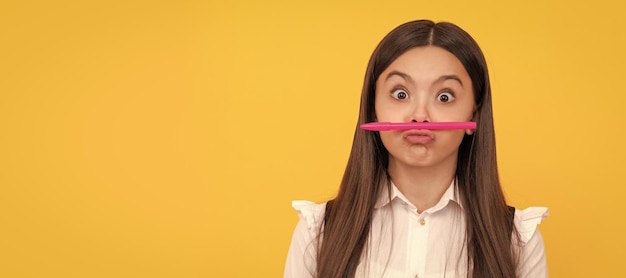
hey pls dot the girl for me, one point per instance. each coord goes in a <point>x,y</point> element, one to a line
<point>418,202</point>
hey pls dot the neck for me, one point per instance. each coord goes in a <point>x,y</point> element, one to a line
<point>423,186</point>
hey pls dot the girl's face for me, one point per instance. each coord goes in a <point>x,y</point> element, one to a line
<point>424,84</point>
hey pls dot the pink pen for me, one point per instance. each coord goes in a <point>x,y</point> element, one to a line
<point>384,126</point>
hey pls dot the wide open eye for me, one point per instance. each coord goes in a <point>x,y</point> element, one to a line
<point>400,94</point>
<point>445,96</point>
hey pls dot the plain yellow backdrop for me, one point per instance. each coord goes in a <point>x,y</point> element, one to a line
<point>167,139</point>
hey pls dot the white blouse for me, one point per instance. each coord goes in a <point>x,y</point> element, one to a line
<point>412,244</point>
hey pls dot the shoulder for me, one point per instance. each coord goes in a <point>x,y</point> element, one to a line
<point>301,258</point>
<point>526,221</point>
<point>532,255</point>
<point>311,214</point>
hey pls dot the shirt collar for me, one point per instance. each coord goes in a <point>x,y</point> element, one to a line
<point>449,195</point>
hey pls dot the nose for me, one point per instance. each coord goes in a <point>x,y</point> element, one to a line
<point>420,113</point>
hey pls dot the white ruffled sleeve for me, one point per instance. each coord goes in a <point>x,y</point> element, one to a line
<point>301,259</point>
<point>532,258</point>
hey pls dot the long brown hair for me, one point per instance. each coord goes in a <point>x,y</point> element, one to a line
<point>348,219</point>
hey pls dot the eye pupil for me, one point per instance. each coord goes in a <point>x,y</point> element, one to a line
<point>444,98</point>
<point>401,95</point>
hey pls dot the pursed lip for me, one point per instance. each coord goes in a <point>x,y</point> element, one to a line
<point>421,136</point>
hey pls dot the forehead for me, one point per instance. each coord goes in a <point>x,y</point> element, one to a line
<point>427,62</point>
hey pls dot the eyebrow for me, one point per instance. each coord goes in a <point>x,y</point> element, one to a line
<point>450,77</point>
<point>401,74</point>
<point>439,80</point>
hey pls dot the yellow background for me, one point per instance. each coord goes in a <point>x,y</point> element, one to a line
<point>167,139</point>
